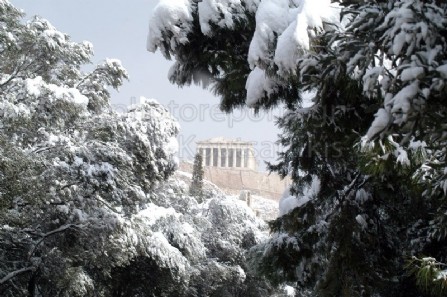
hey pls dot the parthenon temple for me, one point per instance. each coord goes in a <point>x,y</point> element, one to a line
<point>226,153</point>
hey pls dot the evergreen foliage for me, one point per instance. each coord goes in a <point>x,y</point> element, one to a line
<point>430,275</point>
<point>374,133</point>
<point>196,187</point>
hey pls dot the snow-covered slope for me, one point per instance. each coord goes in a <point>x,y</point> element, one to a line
<point>263,208</point>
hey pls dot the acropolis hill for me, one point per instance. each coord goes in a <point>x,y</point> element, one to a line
<point>232,166</point>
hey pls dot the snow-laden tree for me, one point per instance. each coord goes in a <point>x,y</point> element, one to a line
<point>88,204</point>
<point>193,249</point>
<point>71,169</point>
<point>373,135</point>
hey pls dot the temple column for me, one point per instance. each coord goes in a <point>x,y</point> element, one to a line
<point>219,158</point>
<point>203,151</point>
<point>211,156</point>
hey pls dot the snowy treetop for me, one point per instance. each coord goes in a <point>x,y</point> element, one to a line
<point>282,34</point>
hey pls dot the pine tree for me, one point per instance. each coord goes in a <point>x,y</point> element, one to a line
<point>196,188</point>
<point>373,135</point>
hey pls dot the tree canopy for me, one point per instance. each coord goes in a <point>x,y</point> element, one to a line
<point>89,205</point>
<point>373,132</point>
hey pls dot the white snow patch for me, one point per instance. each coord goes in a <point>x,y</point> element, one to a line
<point>290,291</point>
<point>153,213</point>
<point>370,78</point>
<point>442,275</point>
<point>380,123</point>
<point>171,148</point>
<point>289,202</point>
<point>173,16</point>
<point>416,145</point>
<point>288,49</point>
<point>293,41</point>
<point>33,86</point>
<point>220,13</point>
<point>411,73</point>
<point>401,102</point>
<point>270,22</point>
<point>69,94</point>
<point>442,70</point>
<point>258,85</point>
<point>402,157</point>
<point>63,208</point>
<point>361,221</point>
<point>361,196</point>
<point>399,42</point>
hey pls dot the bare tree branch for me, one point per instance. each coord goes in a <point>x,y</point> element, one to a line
<point>46,235</point>
<point>15,273</point>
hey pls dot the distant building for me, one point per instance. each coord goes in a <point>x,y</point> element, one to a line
<point>232,166</point>
<point>227,153</point>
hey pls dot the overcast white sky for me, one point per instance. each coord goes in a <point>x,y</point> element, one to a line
<point>118,29</point>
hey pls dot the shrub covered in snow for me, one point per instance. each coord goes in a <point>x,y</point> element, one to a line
<point>86,204</point>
